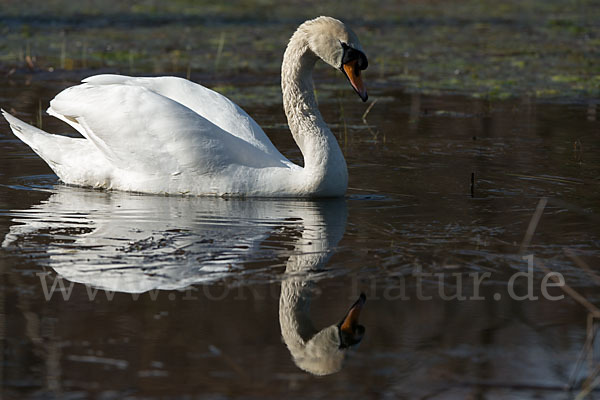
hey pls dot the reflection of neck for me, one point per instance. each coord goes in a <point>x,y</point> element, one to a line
<point>312,252</point>
<point>294,308</point>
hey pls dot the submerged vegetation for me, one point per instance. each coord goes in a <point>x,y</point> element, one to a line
<point>538,48</point>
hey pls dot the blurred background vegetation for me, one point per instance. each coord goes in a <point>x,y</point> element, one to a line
<point>546,49</point>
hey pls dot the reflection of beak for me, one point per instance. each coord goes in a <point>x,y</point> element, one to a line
<point>353,74</point>
<point>349,325</point>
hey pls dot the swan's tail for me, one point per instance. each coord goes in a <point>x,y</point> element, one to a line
<point>41,142</point>
<point>74,160</point>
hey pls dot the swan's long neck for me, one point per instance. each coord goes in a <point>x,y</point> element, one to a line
<point>324,165</point>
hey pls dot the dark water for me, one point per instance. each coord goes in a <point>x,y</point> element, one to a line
<point>176,297</point>
<point>113,295</point>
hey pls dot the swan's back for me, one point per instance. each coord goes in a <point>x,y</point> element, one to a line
<point>211,105</point>
<point>157,135</point>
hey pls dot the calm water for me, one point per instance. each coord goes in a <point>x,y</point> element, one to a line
<point>176,297</point>
<point>113,295</point>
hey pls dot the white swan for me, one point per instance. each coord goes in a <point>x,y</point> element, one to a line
<point>169,135</point>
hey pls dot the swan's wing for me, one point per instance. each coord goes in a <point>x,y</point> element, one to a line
<point>213,106</point>
<point>140,130</point>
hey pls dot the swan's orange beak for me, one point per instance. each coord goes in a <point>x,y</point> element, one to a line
<point>351,332</point>
<point>353,74</point>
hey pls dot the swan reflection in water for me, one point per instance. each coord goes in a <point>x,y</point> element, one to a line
<point>135,243</point>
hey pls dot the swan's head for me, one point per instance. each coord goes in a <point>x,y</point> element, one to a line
<point>337,45</point>
<point>324,353</point>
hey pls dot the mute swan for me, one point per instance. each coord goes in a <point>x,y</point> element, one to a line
<point>169,135</point>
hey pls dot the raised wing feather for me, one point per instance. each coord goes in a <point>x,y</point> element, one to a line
<point>211,105</point>
<point>141,130</point>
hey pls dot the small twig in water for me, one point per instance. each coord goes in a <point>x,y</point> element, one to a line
<point>364,116</point>
<point>590,383</point>
<point>220,46</point>
<point>595,311</point>
<point>587,346</point>
<point>577,150</point>
<point>583,265</point>
<point>39,114</point>
<point>535,219</point>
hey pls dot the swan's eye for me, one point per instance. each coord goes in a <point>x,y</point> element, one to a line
<point>351,54</point>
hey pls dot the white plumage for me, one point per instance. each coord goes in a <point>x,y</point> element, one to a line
<point>170,135</point>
